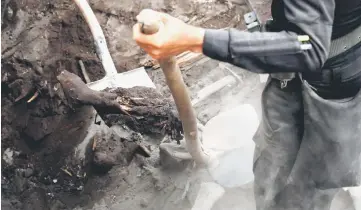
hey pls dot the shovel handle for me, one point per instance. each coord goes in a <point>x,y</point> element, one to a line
<point>181,98</point>
<point>99,38</point>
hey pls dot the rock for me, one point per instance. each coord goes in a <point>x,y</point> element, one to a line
<point>8,156</point>
<point>118,147</point>
<point>9,13</point>
<point>104,161</point>
<point>80,188</point>
<point>174,156</point>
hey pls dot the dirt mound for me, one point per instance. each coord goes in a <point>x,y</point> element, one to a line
<point>39,39</point>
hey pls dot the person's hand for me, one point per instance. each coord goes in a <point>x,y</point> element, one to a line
<point>174,36</point>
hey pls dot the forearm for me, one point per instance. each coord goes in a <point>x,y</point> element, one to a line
<point>261,52</point>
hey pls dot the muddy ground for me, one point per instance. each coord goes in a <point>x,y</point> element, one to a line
<point>39,40</point>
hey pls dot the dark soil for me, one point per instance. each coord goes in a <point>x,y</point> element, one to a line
<point>39,39</point>
<point>46,38</point>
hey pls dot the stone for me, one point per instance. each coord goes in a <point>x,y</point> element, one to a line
<point>10,13</point>
<point>104,160</point>
<point>174,156</point>
<point>8,156</point>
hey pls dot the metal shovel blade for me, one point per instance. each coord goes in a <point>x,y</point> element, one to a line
<point>129,79</point>
<point>136,77</point>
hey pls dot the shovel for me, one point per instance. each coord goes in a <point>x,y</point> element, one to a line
<point>112,79</point>
<point>173,77</point>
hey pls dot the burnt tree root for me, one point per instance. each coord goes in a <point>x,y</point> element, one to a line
<point>140,108</point>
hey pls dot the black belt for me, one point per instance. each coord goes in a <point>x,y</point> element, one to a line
<point>330,74</point>
<point>342,50</point>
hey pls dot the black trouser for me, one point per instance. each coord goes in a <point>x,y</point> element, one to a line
<point>308,144</point>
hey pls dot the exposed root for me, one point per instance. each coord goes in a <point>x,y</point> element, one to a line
<point>142,109</point>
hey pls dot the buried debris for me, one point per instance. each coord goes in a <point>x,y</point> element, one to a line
<point>113,149</point>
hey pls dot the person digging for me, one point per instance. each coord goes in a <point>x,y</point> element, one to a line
<point>308,143</point>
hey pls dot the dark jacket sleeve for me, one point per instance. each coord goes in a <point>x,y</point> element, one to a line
<point>272,52</point>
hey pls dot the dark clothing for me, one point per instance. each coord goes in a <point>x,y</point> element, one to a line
<point>347,17</point>
<point>306,147</point>
<point>309,140</point>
